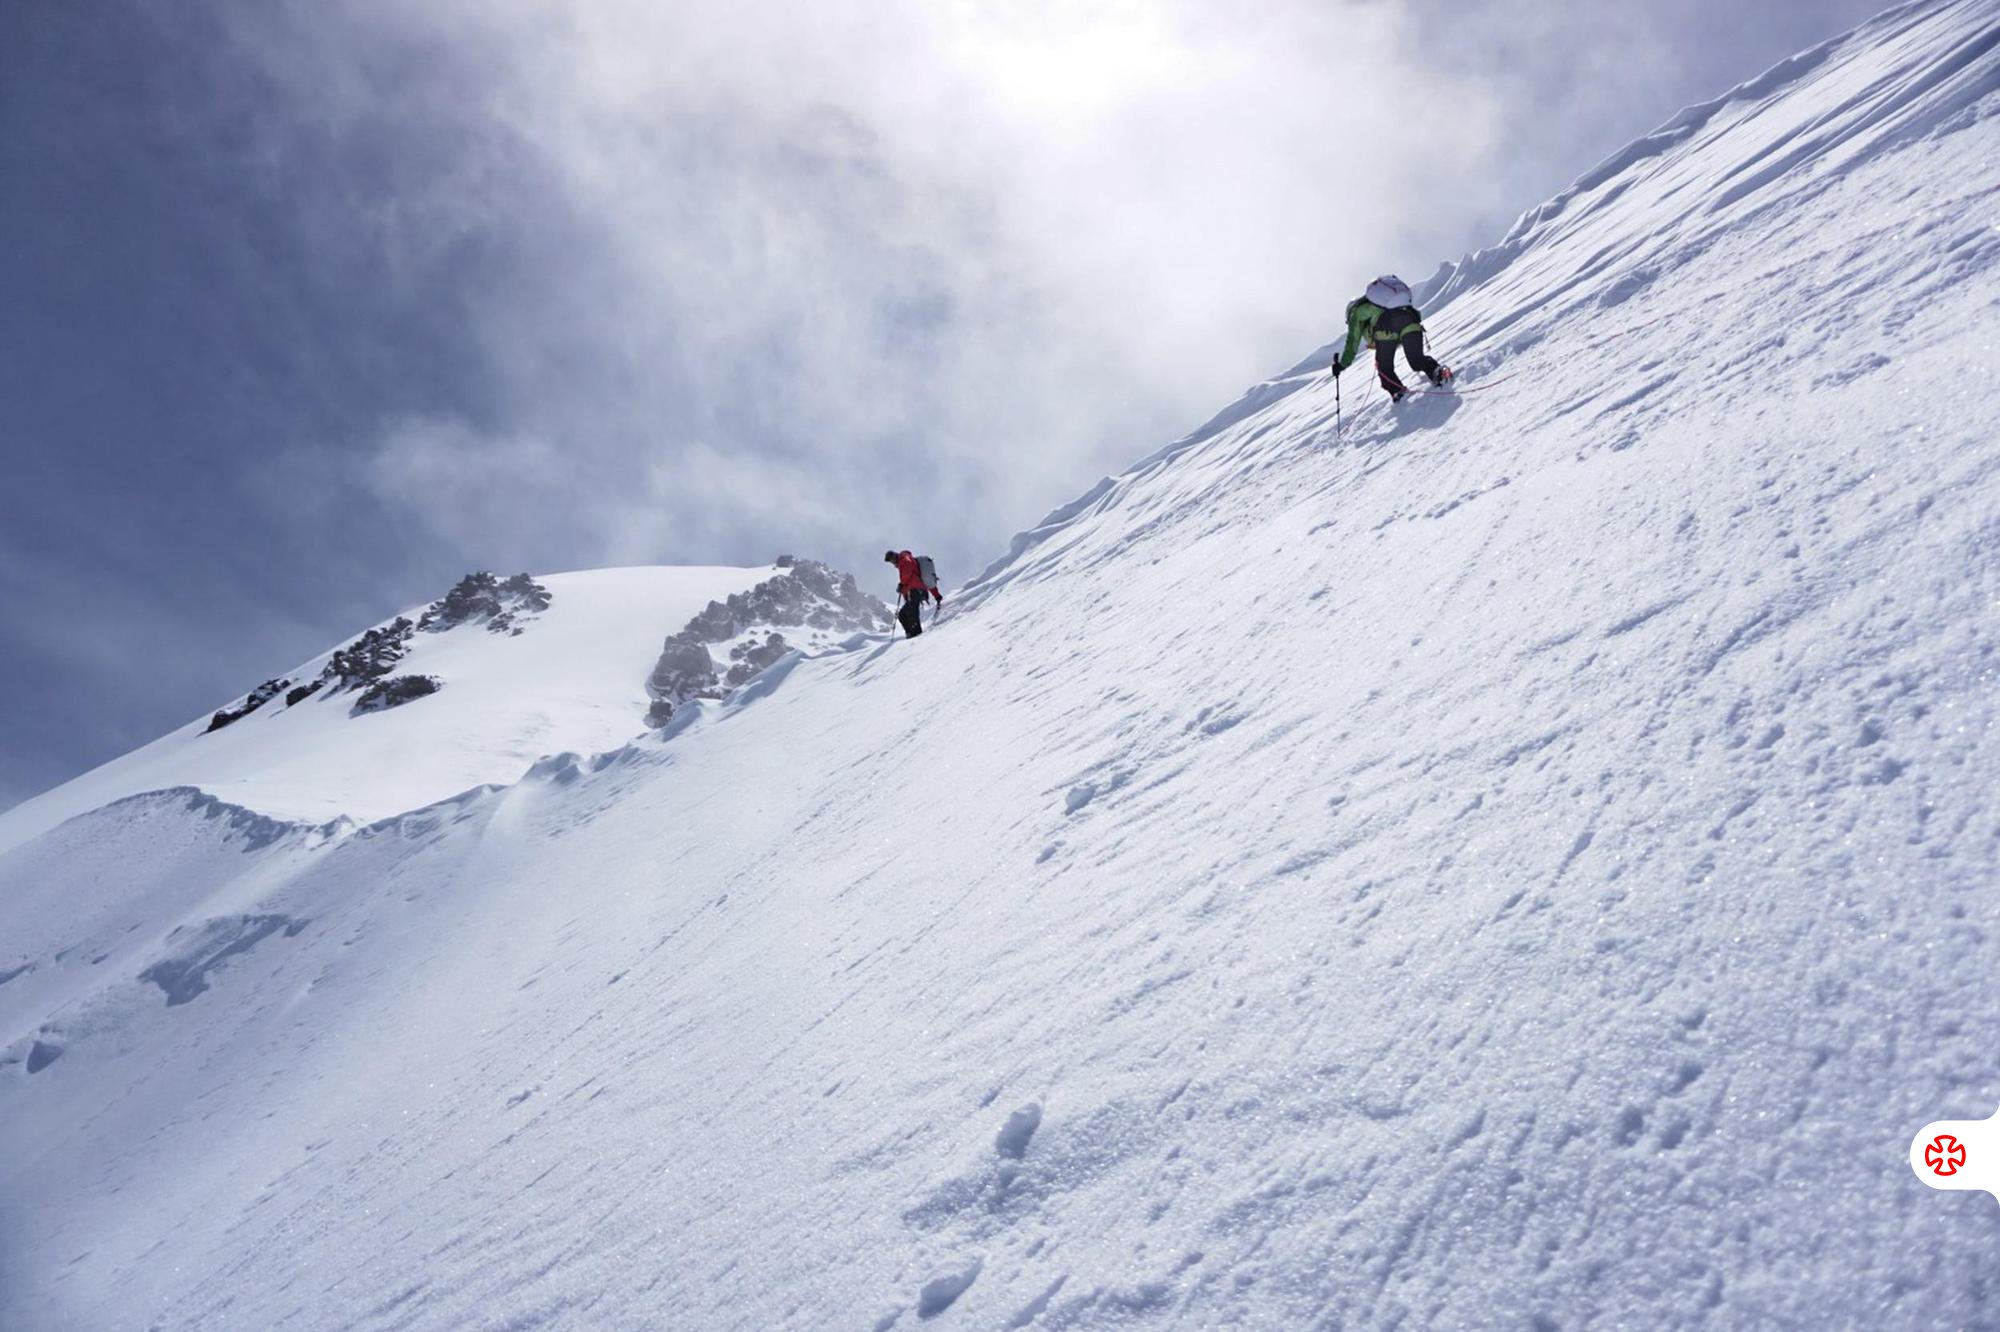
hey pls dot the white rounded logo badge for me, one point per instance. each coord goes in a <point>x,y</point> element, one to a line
<point>1959,1154</point>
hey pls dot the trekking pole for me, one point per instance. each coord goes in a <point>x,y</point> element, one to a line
<point>1336,402</point>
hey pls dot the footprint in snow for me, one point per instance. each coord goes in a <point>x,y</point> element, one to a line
<point>1012,1140</point>
<point>946,1285</point>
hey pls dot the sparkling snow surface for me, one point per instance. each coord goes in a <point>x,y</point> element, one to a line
<point>1531,863</point>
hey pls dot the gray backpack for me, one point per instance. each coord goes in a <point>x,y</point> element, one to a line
<point>928,571</point>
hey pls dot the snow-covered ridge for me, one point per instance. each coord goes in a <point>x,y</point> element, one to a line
<point>1922,71</point>
<point>510,670</point>
<point>1787,136</point>
<point>1526,861</point>
<point>502,606</point>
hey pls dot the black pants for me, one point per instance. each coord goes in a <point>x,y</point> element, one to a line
<point>1401,328</point>
<point>1412,344</point>
<point>911,614</point>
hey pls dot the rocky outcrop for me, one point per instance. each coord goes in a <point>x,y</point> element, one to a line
<point>394,692</point>
<point>252,701</point>
<point>685,670</point>
<point>749,657</point>
<point>369,657</point>
<point>815,602</point>
<point>501,603</point>
<point>810,594</point>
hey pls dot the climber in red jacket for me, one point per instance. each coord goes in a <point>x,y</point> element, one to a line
<point>916,579</point>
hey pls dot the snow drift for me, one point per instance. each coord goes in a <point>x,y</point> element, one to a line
<point>1528,861</point>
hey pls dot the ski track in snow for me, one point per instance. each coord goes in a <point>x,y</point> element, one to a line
<point>1526,862</point>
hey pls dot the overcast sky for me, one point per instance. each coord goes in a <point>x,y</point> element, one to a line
<point>308,307</point>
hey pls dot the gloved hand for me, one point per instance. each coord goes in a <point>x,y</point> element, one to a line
<point>939,596</point>
<point>1336,369</point>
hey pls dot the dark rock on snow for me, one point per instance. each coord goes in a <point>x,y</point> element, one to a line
<point>371,656</point>
<point>502,604</point>
<point>808,596</point>
<point>254,700</point>
<point>394,692</point>
<point>481,596</point>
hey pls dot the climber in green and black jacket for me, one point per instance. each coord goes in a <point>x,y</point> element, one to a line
<point>1384,319</point>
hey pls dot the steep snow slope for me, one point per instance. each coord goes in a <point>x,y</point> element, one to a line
<point>1530,862</point>
<point>574,678</point>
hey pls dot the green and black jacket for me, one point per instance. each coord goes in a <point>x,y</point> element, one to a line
<point>1368,324</point>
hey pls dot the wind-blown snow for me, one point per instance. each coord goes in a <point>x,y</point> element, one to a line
<point>1527,862</point>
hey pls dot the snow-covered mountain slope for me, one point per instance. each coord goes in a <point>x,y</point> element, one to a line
<point>571,678</point>
<point>1530,861</point>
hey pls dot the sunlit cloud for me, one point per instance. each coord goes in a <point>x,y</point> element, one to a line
<point>931,265</point>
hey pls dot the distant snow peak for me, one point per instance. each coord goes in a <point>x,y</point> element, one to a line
<point>729,642</point>
<point>503,605</point>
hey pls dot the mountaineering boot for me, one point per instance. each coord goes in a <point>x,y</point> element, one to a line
<point>1442,376</point>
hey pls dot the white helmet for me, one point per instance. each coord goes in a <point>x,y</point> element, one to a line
<point>1389,291</point>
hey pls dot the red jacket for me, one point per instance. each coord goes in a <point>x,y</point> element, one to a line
<point>909,578</point>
